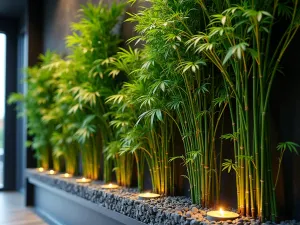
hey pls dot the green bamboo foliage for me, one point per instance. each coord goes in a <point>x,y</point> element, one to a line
<point>124,116</point>
<point>93,41</point>
<point>38,101</point>
<point>57,117</point>
<point>63,140</point>
<point>237,42</point>
<point>146,139</point>
<point>193,96</point>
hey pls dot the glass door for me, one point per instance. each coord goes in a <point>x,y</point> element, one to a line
<point>2,104</point>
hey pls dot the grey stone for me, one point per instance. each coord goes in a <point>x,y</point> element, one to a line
<point>176,218</point>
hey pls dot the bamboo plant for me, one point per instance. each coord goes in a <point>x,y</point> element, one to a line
<point>192,93</point>
<point>238,42</point>
<point>91,43</point>
<point>123,120</point>
<point>38,101</point>
<point>148,140</point>
<point>62,138</point>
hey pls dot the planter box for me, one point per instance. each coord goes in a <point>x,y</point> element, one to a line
<point>63,201</point>
<point>60,207</point>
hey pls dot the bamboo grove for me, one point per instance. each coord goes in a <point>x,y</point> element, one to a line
<point>198,64</point>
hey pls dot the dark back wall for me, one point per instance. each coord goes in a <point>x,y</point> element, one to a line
<point>58,15</point>
<point>285,105</point>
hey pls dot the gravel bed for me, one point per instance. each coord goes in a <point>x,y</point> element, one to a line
<point>162,211</point>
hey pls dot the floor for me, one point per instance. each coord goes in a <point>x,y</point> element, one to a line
<point>13,211</point>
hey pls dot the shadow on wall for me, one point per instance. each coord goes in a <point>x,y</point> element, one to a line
<point>286,107</point>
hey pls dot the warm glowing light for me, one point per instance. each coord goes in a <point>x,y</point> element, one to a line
<point>110,186</point>
<point>221,215</point>
<point>148,195</point>
<point>41,169</point>
<point>51,172</point>
<point>66,175</point>
<point>221,212</point>
<point>83,180</point>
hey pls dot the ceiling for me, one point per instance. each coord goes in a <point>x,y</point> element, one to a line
<point>12,8</point>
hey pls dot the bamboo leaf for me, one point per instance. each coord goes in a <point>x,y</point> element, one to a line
<point>177,157</point>
<point>229,165</point>
<point>288,145</point>
<point>232,137</point>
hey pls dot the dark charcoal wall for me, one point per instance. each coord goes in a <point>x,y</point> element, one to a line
<point>285,108</point>
<point>58,14</point>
